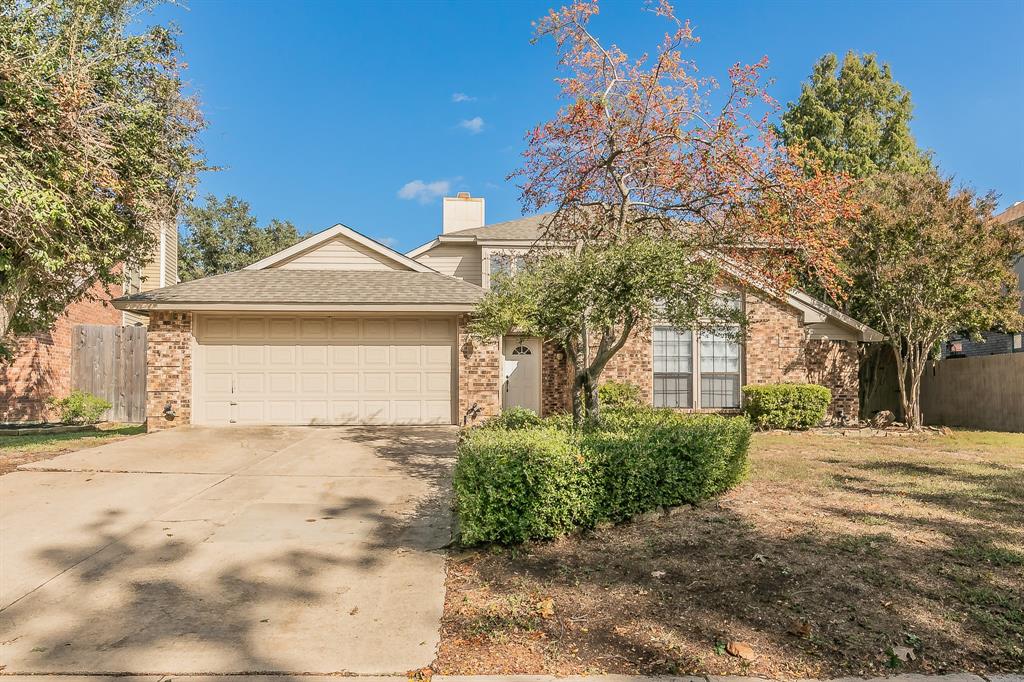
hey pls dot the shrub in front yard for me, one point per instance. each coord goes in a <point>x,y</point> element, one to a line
<point>618,394</point>
<point>79,407</point>
<point>513,418</point>
<point>662,459</point>
<point>786,406</point>
<point>513,485</point>
<point>545,481</point>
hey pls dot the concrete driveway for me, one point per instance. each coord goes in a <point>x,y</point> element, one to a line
<point>200,550</point>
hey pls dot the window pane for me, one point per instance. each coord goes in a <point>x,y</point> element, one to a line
<point>673,364</point>
<point>719,372</point>
<point>499,264</point>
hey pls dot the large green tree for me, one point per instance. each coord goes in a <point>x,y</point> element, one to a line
<point>223,235</point>
<point>97,140</point>
<point>854,119</point>
<point>931,261</point>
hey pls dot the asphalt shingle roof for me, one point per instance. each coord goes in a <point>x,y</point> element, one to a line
<point>529,227</point>
<point>305,287</point>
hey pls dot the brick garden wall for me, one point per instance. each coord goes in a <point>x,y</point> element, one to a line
<point>169,369</point>
<point>41,367</point>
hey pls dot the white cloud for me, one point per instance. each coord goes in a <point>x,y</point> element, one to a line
<point>389,242</point>
<point>424,192</point>
<point>474,125</point>
<point>462,97</point>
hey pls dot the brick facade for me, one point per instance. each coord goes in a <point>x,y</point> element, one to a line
<point>41,367</point>
<point>556,380</point>
<point>169,369</point>
<point>479,376</point>
<point>777,349</point>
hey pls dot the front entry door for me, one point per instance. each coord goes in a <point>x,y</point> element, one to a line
<point>521,385</point>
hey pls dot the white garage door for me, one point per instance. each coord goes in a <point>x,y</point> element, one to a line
<point>323,370</point>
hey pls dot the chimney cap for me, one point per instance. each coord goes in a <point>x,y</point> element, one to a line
<point>463,195</point>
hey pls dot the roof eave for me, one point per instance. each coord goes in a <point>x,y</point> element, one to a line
<point>186,306</point>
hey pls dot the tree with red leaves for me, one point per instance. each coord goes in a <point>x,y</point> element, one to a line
<point>638,153</point>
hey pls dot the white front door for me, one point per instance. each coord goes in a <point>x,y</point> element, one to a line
<point>521,385</point>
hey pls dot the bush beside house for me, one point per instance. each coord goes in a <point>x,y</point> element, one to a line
<point>548,479</point>
<point>79,407</point>
<point>786,406</point>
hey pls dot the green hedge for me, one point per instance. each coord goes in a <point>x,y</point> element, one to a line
<point>79,407</point>
<point>786,406</point>
<point>513,485</point>
<point>542,482</point>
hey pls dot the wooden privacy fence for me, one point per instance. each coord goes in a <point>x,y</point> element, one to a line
<point>110,362</point>
<point>982,392</point>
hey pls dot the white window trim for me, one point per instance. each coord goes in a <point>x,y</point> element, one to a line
<point>486,262</point>
<point>695,392</point>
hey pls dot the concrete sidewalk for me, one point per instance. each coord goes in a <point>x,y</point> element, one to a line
<point>960,677</point>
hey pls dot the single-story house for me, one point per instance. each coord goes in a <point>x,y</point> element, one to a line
<point>341,329</point>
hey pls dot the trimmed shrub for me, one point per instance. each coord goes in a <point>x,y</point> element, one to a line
<point>786,406</point>
<point>514,418</point>
<point>79,407</point>
<point>662,459</point>
<point>618,394</point>
<point>511,486</point>
<point>542,482</point>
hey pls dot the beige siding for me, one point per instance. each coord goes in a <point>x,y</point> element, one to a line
<point>455,260</point>
<point>171,254</point>
<point>339,254</point>
<point>151,270</point>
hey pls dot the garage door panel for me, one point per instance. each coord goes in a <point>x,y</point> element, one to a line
<point>313,329</point>
<point>437,411</point>
<point>376,329</point>
<point>281,382</point>
<point>345,411</point>
<point>249,356</point>
<point>251,328</point>
<point>284,369</point>
<point>251,411</point>
<point>437,329</point>
<point>345,382</point>
<point>282,328</point>
<point>250,382</point>
<point>409,356</point>
<point>407,382</point>
<point>376,382</point>
<point>376,355</point>
<point>376,411</point>
<point>343,329</point>
<point>440,356</point>
<point>218,382</point>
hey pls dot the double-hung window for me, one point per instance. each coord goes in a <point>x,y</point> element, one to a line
<point>719,371</point>
<point>673,367</point>
<point>505,263</point>
<point>690,370</point>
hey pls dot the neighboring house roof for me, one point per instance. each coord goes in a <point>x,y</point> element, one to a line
<point>276,289</point>
<point>330,233</point>
<point>1015,212</point>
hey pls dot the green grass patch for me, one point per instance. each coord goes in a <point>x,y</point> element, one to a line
<point>66,441</point>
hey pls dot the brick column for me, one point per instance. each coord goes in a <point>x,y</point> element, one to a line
<point>479,375</point>
<point>168,370</point>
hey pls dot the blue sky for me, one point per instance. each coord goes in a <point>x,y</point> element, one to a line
<point>327,112</point>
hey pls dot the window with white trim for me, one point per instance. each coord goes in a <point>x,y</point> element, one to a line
<point>699,371</point>
<point>673,367</point>
<point>505,263</point>
<point>719,371</point>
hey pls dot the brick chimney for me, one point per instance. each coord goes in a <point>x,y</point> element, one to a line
<point>462,212</point>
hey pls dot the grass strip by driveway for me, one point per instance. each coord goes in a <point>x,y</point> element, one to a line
<point>838,556</point>
<point>18,450</point>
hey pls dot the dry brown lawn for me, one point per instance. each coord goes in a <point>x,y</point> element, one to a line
<point>838,556</point>
<point>18,450</point>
